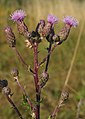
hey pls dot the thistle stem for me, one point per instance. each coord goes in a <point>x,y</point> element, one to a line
<point>23,90</point>
<point>20,58</point>
<point>36,80</point>
<point>48,57</point>
<point>14,106</point>
<point>45,59</point>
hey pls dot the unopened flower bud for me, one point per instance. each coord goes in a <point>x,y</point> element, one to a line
<point>3,83</point>
<point>7,90</point>
<point>45,75</point>
<point>64,97</point>
<point>55,38</point>
<point>35,37</point>
<point>46,30</point>
<point>40,27</point>
<point>14,72</point>
<point>10,37</point>
<point>44,79</point>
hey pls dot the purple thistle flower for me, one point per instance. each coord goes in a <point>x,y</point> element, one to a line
<point>18,15</point>
<point>52,19</point>
<point>71,21</point>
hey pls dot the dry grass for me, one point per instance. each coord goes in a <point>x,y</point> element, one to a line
<point>41,8</point>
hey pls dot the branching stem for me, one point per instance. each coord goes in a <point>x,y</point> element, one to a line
<point>45,59</point>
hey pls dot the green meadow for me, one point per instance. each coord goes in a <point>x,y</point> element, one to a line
<point>60,61</point>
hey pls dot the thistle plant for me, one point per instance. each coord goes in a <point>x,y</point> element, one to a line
<point>44,31</point>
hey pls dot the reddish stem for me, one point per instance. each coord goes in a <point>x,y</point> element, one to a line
<point>37,113</point>
<point>14,106</point>
<point>20,58</point>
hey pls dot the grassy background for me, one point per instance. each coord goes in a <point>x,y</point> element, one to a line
<point>59,63</point>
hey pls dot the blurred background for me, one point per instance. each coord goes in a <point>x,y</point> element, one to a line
<point>59,63</point>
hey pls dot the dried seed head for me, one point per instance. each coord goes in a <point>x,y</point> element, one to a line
<point>14,72</point>
<point>10,37</point>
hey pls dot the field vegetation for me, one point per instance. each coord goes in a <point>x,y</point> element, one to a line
<point>60,59</point>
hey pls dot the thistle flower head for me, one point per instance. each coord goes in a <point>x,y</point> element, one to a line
<point>71,21</point>
<point>18,15</point>
<point>52,19</point>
